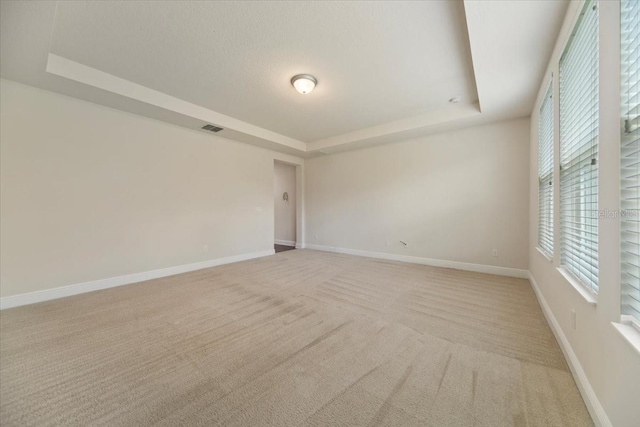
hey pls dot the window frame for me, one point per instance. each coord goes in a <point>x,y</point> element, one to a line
<point>578,174</point>
<point>546,173</point>
<point>629,149</point>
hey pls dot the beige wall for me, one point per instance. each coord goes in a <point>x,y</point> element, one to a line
<point>455,196</point>
<point>284,180</point>
<point>611,365</point>
<point>88,192</point>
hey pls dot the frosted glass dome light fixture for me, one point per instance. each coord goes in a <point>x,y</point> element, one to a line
<point>304,83</point>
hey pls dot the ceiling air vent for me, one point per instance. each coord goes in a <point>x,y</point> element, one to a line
<point>212,128</point>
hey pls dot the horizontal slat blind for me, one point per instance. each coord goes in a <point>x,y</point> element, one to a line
<point>630,157</point>
<point>579,150</point>
<point>545,174</point>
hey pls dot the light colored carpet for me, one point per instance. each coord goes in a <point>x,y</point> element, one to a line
<point>301,338</point>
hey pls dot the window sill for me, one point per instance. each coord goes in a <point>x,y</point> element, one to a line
<point>544,254</point>
<point>585,293</point>
<point>629,332</point>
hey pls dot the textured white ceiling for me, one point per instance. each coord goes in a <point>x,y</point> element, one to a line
<point>386,69</point>
<point>376,62</point>
<point>511,53</point>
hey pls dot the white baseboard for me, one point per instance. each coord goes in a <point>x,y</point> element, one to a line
<point>594,407</point>
<point>300,246</point>
<point>95,285</point>
<point>479,268</point>
<point>285,242</point>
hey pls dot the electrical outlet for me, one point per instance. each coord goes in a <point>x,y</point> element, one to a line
<point>494,253</point>
<point>573,319</point>
<point>205,248</point>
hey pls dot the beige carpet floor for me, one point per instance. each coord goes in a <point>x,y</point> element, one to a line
<point>301,338</point>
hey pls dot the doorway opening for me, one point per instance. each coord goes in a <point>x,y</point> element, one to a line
<point>284,204</point>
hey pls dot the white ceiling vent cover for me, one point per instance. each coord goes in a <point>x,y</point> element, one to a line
<point>212,128</point>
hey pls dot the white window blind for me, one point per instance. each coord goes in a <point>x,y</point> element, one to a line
<point>630,157</point>
<point>545,174</point>
<point>579,150</point>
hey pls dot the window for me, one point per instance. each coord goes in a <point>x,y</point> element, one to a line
<point>630,157</point>
<point>579,150</point>
<point>545,174</point>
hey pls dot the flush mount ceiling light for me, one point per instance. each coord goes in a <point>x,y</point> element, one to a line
<point>304,83</point>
